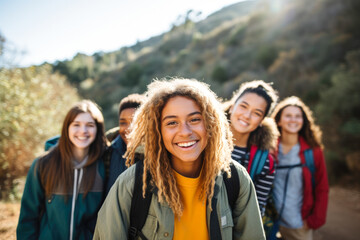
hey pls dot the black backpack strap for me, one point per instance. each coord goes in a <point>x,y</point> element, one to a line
<point>232,185</point>
<point>139,205</point>
<point>289,167</point>
<point>232,189</point>
<point>215,232</point>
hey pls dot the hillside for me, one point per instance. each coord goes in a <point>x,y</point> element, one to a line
<point>130,69</point>
<point>306,48</point>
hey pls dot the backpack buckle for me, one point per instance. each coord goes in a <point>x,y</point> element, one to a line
<point>133,232</point>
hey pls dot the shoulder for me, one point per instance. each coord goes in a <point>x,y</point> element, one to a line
<point>318,154</point>
<point>117,143</point>
<point>35,162</point>
<point>317,150</point>
<point>304,146</point>
<point>266,135</point>
<point>237,165</point>
<point>35,165</point>
<point>126,180</point>
<point>34,169</point>
<point>112,133</point>
<point>241,171</point>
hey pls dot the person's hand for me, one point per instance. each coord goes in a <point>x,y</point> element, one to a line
<point>306,226</point>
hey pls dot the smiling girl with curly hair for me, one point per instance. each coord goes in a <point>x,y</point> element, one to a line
<point>187,148</point>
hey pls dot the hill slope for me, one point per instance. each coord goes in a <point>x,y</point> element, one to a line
<point>306,48</point>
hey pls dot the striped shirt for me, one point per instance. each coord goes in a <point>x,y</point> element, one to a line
<point>262,182</point>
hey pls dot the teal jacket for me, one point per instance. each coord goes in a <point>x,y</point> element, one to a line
<point>243,223</point>
<point>49,218</point>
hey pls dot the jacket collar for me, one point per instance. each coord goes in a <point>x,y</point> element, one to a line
<point>303,144</point>
<point>119,145</point>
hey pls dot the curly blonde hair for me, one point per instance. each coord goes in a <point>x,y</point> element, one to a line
<point>146,130</point>
<point>309,131</point>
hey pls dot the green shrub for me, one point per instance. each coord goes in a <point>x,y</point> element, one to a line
<point>219,74</point>
<point>33,103</point>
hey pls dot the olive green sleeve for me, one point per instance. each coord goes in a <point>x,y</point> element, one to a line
<point>246,215</point>
<point>114,216</point>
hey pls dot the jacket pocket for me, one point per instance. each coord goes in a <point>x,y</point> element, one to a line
<point>150,227</point>
<point>227,224</point>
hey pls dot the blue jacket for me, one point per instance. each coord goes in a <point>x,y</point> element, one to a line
<point>117,162</point>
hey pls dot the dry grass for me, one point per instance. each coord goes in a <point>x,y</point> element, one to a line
<point>8,220</point>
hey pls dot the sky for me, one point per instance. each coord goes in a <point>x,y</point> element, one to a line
<point>44,30</point>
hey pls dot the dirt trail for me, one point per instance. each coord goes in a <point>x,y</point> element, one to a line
<point>9,214</point>
<point>343,217</point>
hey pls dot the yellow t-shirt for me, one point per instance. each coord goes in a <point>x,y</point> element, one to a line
<point>192,224</point>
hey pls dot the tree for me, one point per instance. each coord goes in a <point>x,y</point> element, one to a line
<point>219,74</point>
<point>339,114</point>
<point>2,42</point>
<point>33,103</point>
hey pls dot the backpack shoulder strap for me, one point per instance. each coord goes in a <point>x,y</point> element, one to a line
<point>258,162</point>
<point>232,189</point>
<point>51,142</point>
<point>139,205</point>
<point>309,162</point>
<point>232,185</point>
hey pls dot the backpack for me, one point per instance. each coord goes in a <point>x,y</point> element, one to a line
<point>257,162</point>
<point>140,206</point>
<point>51,142</point>
<point>271,219</point>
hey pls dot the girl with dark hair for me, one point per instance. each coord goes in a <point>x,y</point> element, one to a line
<point>301,185</point>
<point>64,187</point>
<point>254,134</point>
<point>187,148</point>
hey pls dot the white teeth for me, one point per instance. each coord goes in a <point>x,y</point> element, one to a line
<point>243,123</point>
<point>187,144</point>
<point>82,138</point>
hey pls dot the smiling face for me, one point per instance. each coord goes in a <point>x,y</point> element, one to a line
<point>125,119</point>
<point>183,130</point>
<point>82,131</point>
<point>247,113</point>
<point>291,120</point>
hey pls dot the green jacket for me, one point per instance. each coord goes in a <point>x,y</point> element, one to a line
<point>42,218</point>
<point>243,223</point>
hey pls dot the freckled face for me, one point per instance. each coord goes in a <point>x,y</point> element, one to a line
<point>247,113</point>
<point>82,131</point>
<point>291,120</point>
<point>125,119</point>
<point>183,130</point>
